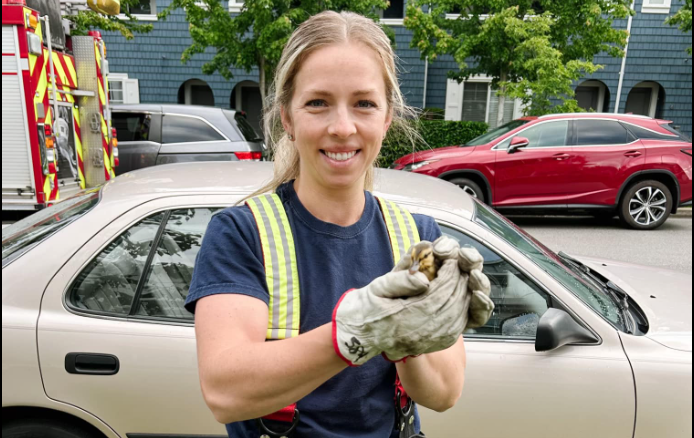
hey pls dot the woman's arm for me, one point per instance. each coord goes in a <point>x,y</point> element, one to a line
<point>435,380</point>
<point>242,376</point>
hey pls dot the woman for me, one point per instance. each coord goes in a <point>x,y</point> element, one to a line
<point>336,95</point>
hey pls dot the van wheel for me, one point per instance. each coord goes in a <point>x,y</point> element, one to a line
<point>646,205</point>
<point>470,187</point>
<point>43,428</point>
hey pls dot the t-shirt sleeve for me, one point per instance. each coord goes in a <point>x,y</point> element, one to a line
<point>427,226</point>
<point>230,260</point>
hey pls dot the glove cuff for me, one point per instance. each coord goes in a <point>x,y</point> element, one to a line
<point>336,340</point>
<point>403,360</point>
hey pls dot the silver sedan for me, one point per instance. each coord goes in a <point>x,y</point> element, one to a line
<point>96,342</point>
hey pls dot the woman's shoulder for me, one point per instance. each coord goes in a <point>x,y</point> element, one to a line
<point>427,227</point>
<point>234,222</point>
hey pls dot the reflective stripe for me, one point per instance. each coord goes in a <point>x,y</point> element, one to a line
<point>281,268</point>
<point>401,226</point>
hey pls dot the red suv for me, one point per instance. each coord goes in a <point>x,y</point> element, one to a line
<point>634,166</point>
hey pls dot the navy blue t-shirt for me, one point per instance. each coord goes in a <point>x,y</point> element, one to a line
<point>358,402</point>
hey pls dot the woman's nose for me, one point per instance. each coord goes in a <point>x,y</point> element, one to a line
<point>342,125</point>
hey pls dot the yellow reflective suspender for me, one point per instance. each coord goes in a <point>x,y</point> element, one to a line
<point>279,253</point>
<point>281,270</point>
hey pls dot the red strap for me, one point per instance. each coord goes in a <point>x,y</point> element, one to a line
<point>286,415</point>
<point>403,394</point>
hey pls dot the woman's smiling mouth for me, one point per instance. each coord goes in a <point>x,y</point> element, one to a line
<point>340,156</point>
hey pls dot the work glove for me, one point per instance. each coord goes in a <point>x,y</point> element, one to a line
<point>404,314</point>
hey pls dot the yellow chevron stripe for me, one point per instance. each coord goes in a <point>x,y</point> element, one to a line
<point>71,70</point>
<point>69,97</point>
<point>59,70</point>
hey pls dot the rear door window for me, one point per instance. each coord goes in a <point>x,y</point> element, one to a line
<point>601,132</point>
<point>185,129</point>
<point>132,126</point>
<point>245,128</point>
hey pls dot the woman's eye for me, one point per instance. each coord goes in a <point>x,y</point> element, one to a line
<point>367,104</point>
<point>315,103</point>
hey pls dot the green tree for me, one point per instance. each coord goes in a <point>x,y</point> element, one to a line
<point>87,20</point>
<point>533,49</point>
<point>255,37</point>
<point>683,19</point>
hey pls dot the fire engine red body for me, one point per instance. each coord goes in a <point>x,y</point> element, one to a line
<point>57,137</point>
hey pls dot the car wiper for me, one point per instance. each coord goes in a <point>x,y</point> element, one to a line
<point>618,295</point>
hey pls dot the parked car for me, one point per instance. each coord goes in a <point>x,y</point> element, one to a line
<point>150,135</point>
<point>95,338</point>
<point>632,166</point>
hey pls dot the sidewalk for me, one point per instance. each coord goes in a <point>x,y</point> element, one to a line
<point>684,212</point>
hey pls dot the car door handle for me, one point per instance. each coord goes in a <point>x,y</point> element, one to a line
<point>633,154</point>
<point>92,364</point>
<point>560,157</point>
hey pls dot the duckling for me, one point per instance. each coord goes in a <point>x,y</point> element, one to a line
<point>423,260</point>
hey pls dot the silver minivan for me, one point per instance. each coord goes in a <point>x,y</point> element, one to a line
<point>151,134</point>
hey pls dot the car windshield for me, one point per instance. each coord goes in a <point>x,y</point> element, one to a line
<point>21,237</point>
<point>570,277</point>
<point>496,133</point>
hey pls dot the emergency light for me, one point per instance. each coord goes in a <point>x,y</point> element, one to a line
<point>14,2</point>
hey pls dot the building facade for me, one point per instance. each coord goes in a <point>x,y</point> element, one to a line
<point>657,71</point>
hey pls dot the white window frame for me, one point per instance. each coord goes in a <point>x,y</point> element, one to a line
<point>144,17</point>
<point>602,92</point>
<point>650,8</point>
<point>460,96</point>
<point>235,6</point>
<point>127,85</point>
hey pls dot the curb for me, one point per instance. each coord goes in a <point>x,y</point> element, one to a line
<point>684,213</point>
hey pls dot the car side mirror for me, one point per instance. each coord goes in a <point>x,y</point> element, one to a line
<point>557,328</point>
<point>517,144</point>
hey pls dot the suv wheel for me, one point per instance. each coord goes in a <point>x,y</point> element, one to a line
<point>470,187</point>
<point>646,205</point>
<point>43,428</point>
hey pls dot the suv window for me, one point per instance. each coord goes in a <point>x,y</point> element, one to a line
<point>519,303</point>
<point>184,129</point>
<point>601,132</point>
<point>132,126</point>
<point>171,271</point>
<point>647,134</point>
<point>545,135</point>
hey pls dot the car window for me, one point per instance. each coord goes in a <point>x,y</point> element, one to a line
<point>183,129</point>
<point>20,237</point>
<point>519,303</point>
<point>601,132</point>
<point>551,134</point>
<point>647,134</point>
<point>243,126</point>
<point>132,126</point>
<point>169,276</point>
<point>496,133</point>
<point>109,283</point>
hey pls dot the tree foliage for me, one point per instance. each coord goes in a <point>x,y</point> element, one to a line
<point>87,20</point>
<point>257,35</point>
<point>683,19</point>
<point>533,49</point>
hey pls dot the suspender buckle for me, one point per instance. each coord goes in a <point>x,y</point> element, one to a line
<point>269,428</point>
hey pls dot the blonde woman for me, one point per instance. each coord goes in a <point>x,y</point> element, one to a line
<point>335,97</point>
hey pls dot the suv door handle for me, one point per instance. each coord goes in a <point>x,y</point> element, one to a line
<point>561,157</point>
<point>92,364</point>
<point>633,154</point>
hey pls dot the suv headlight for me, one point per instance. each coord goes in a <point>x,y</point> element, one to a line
<point>414,166</point>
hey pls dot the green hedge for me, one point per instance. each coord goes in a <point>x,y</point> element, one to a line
<point>436,133</point>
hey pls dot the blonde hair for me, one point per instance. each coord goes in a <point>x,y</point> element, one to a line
<point>321,30</point>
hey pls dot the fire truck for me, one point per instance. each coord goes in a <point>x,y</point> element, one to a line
<point>57,137</point>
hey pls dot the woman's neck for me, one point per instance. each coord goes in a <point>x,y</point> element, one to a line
<point>340,207</point>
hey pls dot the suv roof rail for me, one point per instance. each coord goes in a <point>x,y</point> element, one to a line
<point>636,116</point>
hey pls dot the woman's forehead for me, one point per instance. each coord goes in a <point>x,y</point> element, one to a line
<point>350,66</point>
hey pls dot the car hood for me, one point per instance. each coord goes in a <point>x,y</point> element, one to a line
<point>665,296</point>
<point>436,154</point>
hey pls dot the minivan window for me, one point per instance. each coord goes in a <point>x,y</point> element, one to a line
<point>601,132</point>
<point>245,128</point>
<point>132,126</point>
<point>184,129</point>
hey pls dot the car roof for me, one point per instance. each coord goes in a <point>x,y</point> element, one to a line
<point>244,178</point>
<point>624,117</point>
<point>194,110</point>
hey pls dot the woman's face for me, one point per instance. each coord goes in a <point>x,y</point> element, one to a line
<point>338,115</point>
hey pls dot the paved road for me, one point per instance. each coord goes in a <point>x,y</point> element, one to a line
<point>669,247</point>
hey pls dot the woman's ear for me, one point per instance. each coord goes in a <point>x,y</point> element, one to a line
<point>389,121</point>
<point>286,121</point>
